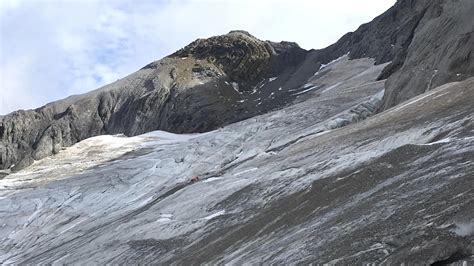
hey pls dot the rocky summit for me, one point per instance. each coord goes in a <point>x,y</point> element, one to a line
<point>243,151</point>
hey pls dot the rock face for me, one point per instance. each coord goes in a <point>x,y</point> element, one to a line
<point>441,51</point>
<point>385,38</point>
<point>243,57</point>
<point>428,42</point>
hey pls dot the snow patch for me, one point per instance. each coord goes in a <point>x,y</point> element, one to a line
<point>331,87</point>
<point>307,90</point>
<point>165,218</point>
<point>246,171</point>
<point>235,85</point>
<point>272,79</point>
<point>212,179</point>
<point>447,140</point>
<point>424,95</point>
<point>219,213</point>
<point>330,63</point>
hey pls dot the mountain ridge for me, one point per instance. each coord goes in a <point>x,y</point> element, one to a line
<point>158,96</point>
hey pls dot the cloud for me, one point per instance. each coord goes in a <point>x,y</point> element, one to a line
<point>52,48</point>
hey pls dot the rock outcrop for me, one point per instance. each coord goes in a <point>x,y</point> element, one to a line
<point>441,51</point>
<point>428,42</point>
<point>239,54</point>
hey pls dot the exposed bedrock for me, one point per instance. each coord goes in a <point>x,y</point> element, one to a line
<point>428,42</point>
<point>441,51</point>
<point>243,57</point>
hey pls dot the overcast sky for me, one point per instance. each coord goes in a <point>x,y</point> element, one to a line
<point>54,48</point>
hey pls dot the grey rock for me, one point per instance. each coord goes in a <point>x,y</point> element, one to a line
<point>441,51</point>
<point>386,38</point>
<point>428,42</point>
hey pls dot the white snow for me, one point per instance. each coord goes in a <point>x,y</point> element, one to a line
<point>246,171</point>
<point>331,87</point>
<point>212,179</point>
<point>307,90</point>
<point>164,218</point>
<point>447,140</point>
<point>330,63</point>
<point>272,79</point>
<point>235,85</point>
<point>219,213</point>
<point>430,93</point>
<point>76,159</point>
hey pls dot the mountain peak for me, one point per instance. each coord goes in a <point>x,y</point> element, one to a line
<point>240,32</point>
<point>241,55</point>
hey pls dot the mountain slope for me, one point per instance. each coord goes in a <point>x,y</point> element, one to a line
<point>193,90</point>
<point>428,42</point>
<point>353,154</point>
<point>440,52</point>
<point>215,82</point>
<point>290,180</point>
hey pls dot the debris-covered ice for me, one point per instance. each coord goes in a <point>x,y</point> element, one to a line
<point>324,176</point>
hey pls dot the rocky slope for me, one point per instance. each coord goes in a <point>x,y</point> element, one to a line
<point>208,84</point>
<point>428,42</point>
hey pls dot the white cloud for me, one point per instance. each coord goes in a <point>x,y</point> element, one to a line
<point>51,48</point>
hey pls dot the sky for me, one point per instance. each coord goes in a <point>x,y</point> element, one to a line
<point>50,49</point>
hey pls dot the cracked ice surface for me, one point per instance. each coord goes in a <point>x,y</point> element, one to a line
<point>314,177</point>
